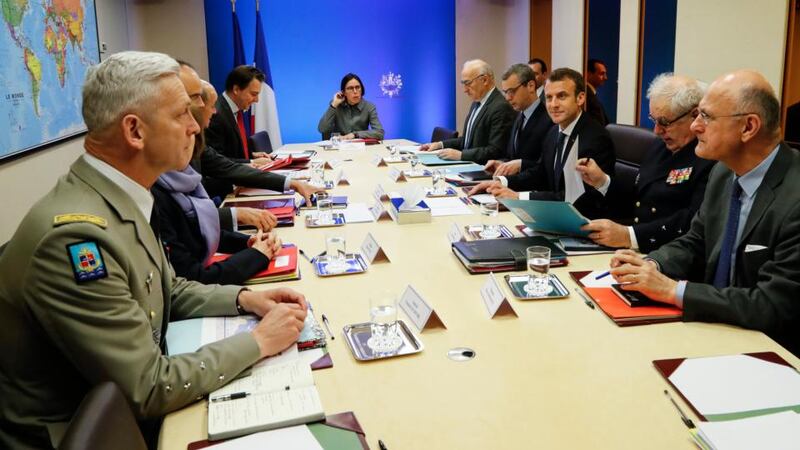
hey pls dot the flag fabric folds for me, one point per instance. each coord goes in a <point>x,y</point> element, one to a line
<point>265,112</point>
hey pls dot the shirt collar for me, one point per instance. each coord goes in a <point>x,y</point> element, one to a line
<point>539,91</point>
<point>485,97</point>
<point>752,179</point>
<point>529,110</point>
<point>140,196</point>
<point>231,103</point>
<point>571,126</point>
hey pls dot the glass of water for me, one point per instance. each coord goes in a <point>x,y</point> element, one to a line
<point>413,160</point>
<point>336,139</point>
<point>392,150</point>
<point>490,229</point>
<point>318,173</point>
<point>437,180</point>
<point>324,208</point>
<point>383,317</point>
<point>336,252</point>
<point>538,271</point>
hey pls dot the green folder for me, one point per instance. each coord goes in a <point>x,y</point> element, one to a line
<point>548,216</point>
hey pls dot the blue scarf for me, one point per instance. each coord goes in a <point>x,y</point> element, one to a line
<point>185,187</point>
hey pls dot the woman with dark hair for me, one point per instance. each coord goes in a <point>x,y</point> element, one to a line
<point>349,114</point>
<point>189,227</point>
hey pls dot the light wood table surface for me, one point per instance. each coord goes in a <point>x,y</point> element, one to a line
<point>559,376</point>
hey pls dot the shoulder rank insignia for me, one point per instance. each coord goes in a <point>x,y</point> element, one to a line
<point>61,219</point>
<point>678,176</point>
<point>87,261</point>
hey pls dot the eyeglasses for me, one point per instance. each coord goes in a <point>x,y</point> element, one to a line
<point>469,82</point>
<point>511,91</point>
<point>353,88</point>
<point>665,123</point>
<point>706,117</point>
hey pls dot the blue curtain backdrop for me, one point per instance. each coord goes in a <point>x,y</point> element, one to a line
<point>310,50</point>
<point>604,45</point>
<point>658,48</point>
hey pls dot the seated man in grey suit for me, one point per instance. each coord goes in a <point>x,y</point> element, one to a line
<point>488,124</point>
<point>739,263</point>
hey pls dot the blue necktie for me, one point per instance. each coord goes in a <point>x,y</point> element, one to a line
<point>722,276</point>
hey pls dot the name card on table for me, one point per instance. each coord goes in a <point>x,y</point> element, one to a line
<point>397,175</point>
<point>418,310</point>
<point>493,298</point>
<point>373,251</point>
<point>378,212</point>
<point>378,161</point>
<point>454,234</point>
<point>380,195</point>
<point>333,163</point>
<point>341,178</point>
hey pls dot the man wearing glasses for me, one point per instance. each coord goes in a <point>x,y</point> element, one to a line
<point>739,263</point>
<point>671,180</point>
<point>488,124</point>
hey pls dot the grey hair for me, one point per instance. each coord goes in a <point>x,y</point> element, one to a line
<point>206,92</point>
<point>483,67</point>
<point>125,82</point>
<point>683,93</point>
<point>761,101</point>
<point>523,72</point>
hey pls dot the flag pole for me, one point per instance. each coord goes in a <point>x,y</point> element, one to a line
<point>233,5</point>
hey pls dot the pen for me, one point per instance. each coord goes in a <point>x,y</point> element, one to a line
<point>232,396</point>
<point>686,421</point>
<point>585,300</point>
<point>327,326</point>
<point>603,275</point>
<point>584,161</point>
<point>382,445</point>
<point>304,254</point>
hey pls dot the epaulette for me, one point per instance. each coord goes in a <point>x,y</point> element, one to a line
<point>62,219</point>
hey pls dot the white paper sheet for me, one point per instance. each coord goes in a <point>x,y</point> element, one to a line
<point>774,431</point>
<point>591,281</point>
<point>357,213</point>
<point>407,149</point>
<point>736,383</point>
<point>448,206</point>
<point>291,438</point>
<point>573,184</point>
<point>484,198</point>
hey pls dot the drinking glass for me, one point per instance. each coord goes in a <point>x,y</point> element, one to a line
<point>489,211</point>
<point>392,150</point>
<point>318,173</point>
<point>336,139</point>
<point>538,268</point>
<point>437,180</point>
<point>413,160</point>
<point>336,252</point>
<point>324,208</point>
<point>383,317</point>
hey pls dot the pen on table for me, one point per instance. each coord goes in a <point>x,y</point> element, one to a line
<point>686,421</point>
<point>382,445</point>
<point>232,396</point>
<point>327,326</point>
<point>603,275</point>
<point>304,254</point>
<point>585,300</point>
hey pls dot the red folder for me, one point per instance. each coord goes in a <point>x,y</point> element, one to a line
<point>276,164</point>
<point>271,273</point>
<point>619,311</point>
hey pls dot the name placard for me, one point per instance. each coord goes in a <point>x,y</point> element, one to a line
<point>397,175</point>
<point>378,161</point>
<point>341,178</point>
<point>379,194</point>
<point>333,163</point>
<point>493,298</point>
<point>372,250</point>
<point>418,310</point>
<point>378,212</point>
<point>454,234</point>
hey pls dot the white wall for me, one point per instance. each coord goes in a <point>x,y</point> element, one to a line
<point>717,36</point>
<point>496,31</point>
<point>567,34</point>
<point>628,61</point>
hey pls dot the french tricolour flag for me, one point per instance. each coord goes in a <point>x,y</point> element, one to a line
<point>265,112</point>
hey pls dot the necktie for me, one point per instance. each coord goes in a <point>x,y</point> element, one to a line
<point>468,131</point>
<point>722,276</point>
<point>242,133</point>
<point>515,134</point>
<point>559,163</point>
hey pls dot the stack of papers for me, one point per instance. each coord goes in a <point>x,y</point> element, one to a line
<point>774,431</point>
<point>447,206</point>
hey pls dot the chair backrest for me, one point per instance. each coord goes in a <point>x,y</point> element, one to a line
<point>631,143</point>
<point>441,133</point>
<point>261,142</point>
<point>103,420</point>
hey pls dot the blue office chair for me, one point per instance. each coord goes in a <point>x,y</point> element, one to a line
<point>630,146</point>
<point>441,133</point>
<point>261,142</point>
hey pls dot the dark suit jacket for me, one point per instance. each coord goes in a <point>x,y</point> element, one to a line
<point>530,138</point>
<point>220,173</point>
<point>186,248</point>
<point>594,143</point>
<point>766,281</point>
<point>223,133</point>
<point>490,131</point>
<point>663,208</point>
<point>593,106</point>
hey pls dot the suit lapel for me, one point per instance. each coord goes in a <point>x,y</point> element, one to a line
<point>227,115</point>
<point>123,205</point>
<point>765,194</point>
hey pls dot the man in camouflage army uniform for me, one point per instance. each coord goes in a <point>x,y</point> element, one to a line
<point>85,289</point>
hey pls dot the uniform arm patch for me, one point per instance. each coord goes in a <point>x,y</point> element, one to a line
<point>87,261</point>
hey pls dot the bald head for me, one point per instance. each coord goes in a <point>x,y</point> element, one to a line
<point>191,81</point>
<point>477,78</point>
<point>752,93</point>
<point>204,113</point>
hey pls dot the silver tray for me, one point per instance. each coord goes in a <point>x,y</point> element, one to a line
<point>357,335</point>
<point>419,173</point>
<point>338,221</point>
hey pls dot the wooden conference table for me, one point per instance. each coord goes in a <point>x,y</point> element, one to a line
<point>559,376</point>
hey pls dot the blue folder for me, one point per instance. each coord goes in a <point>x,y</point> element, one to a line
<point>548,216</point>
<point>434,160</point>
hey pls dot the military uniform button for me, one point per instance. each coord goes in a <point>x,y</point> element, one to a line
<point>202,365</point>
<point>653,210</point>
<point>168,388</point>
<point>187,385</point>
<point>636,220</point>
<point>638,204</point>
<point>664,227</point>
<point>222,377</point>
<point>152,314</point>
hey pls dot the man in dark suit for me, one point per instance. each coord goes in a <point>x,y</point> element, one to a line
<point>672,178</point>
<point>596,76</point>
<point>488,124</point>
<point>526,95</point>
<point>549,177</point>
<point>739,263</point>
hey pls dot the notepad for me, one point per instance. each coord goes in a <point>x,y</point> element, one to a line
<point>278,396</point>
<point>774,431</point>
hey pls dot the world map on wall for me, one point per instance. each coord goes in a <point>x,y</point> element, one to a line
<point>46,46</point>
